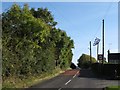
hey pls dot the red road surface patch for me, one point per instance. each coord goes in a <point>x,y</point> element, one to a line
<point>70,72</point>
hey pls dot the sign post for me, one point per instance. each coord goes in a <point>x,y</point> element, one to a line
<point>100,57</point>
<point>96,42</point>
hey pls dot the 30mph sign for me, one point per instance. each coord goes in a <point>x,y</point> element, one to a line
<point>100,57</point>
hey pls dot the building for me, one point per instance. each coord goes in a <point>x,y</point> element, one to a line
<point>113,58</point>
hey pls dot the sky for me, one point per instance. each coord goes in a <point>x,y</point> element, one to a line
<point>119,27</point>
<point>82,21</point>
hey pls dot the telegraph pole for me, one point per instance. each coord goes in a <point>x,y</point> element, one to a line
<point>96,43</point>
<point>97,50</point>
<point>103,42</point>
<point>90,53</point>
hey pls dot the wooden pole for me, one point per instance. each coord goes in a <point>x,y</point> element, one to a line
<point>97,51</point>
<point>103,43</point>
<point>90,53</point>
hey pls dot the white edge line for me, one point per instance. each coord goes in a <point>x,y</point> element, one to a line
<point>75,74</point>
<point>67,82</point>
<point>59,88</point>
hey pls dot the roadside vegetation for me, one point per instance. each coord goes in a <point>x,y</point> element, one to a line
<point>84,61</point>
<point>32,45</point>
<point>113,88</point>
<point>73,66</point>
<point>15,82</point>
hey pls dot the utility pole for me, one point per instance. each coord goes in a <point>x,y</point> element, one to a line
<point>97,50</point>
<point>90,53</point>
<point>96,43</point>
<point>103,42</point>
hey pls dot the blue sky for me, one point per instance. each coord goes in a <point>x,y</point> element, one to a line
<point>83,23</point>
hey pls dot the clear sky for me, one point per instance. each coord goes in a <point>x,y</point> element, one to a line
<point>82,21</point>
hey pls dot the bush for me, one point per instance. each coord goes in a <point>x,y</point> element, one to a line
<point>32,44</point>
<point>84,61</point>
<point>107,70</point>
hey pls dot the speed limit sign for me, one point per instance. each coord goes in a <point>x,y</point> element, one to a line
<point>100,57</point>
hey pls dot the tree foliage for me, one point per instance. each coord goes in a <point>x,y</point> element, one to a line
<point>84,61</point>
<point>31,43</point>
<point>73,66</point>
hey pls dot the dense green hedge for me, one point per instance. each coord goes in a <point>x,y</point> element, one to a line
<point>84,61</point>
<point>107,70</point>
<point>31,43</point>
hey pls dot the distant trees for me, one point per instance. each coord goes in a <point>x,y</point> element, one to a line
<point>84,61</point>
<point>73,66</point>
<point>31,43</point>
<point>44,14</point>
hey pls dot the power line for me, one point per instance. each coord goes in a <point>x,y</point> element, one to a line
<point>104,16</point>
<point>99,28</point>
<point>71,23</point>
<point>107,10</point>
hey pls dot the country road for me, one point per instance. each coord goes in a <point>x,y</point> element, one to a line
<point>76,79</point>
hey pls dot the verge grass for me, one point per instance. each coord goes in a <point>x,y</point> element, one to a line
<point>113,88</point>
<point>14,82</point>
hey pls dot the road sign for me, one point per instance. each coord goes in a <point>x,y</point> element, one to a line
<point>100,57</point>
<point>96,42</point>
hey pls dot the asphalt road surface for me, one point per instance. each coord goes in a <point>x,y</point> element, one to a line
<point>76,79</point>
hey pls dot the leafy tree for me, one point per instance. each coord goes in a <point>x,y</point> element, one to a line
<point>22,35</point>
<point>84,61</point>
<point>32,44</point>
<point>44,14</point>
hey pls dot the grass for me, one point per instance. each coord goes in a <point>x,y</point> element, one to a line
<point>14,82</point>
<point>113,88</point>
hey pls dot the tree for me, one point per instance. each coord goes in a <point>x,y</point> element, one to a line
<point>44,14</point>
<point>84,61</point>
<point>23,36</point>
<point>73,66</point>
<point>32,44</point>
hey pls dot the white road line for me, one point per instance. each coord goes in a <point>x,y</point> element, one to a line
<point>77,72</point>
<point>59,88</point>
<point>74,76</point>
<point>67,82</point>
<point>70,80</point>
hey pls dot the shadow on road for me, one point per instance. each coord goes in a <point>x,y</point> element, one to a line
<point>87,73</point>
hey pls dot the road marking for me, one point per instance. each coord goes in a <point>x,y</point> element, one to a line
<point>67,82</point>
<point>70,80</point>
<point>59,88</point>
<point>75,74</point>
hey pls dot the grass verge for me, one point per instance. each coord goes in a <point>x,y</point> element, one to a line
<point>14,82</point>
<point>113,88</point>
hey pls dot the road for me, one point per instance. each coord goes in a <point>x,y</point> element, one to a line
<point>75,79</point>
